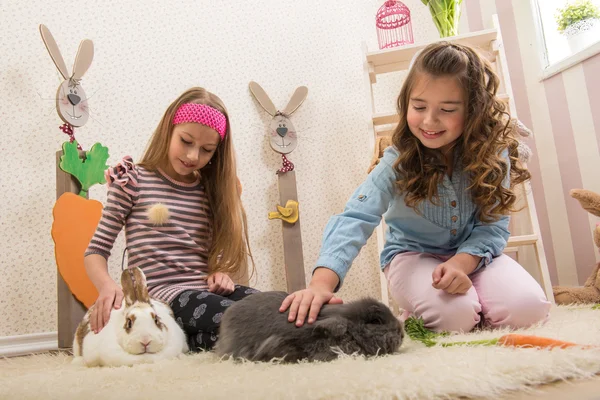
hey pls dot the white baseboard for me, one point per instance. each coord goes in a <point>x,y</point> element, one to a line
<point>11,346</point>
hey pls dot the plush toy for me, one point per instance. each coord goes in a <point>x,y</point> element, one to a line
<point>382,143</point>
<point>590,292</point>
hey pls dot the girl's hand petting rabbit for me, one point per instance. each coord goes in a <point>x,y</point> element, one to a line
<point>110,295</point>
<point>310,300</point>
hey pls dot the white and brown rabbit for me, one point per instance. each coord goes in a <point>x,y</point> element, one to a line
<point>255,330</point>
<point>143,330</point>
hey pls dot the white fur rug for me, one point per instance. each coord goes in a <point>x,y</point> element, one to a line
<point>416,372</point>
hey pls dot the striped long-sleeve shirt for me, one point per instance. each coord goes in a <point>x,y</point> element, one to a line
<point>174,255</point>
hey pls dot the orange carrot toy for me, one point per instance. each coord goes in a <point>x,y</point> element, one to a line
<point>76,218</point>
<point>517,340</point>
<point>416,330</point>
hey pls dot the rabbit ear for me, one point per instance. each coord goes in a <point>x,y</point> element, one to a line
<point>54,51</point>
<point>297,99</point>
<point>84,58</point>
<point>262,98</point>
<point>334,327</point>
<point>133,282</point>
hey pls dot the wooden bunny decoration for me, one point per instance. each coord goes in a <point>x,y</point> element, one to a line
<point>71,100</point>
<point>283,140</point>
<point>282,134</point>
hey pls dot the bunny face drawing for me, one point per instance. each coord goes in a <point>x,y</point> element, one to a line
<point>283,137</point>
<point>71,100</point>
<point>71,103</point>
<point>282,134</point>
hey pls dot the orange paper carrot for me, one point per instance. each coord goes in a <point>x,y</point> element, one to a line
<point>76,218</point>
<point>75,221</point>
<point>517,340</point>
<point>522,341</point>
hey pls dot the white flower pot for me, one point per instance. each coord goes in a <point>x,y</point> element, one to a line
<point>583,34</point>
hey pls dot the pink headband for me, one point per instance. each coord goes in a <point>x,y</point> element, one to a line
<point>201,114</point>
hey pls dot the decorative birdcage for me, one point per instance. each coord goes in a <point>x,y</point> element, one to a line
<point>393,24</point>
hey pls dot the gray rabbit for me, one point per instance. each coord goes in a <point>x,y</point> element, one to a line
<point>254,329</point>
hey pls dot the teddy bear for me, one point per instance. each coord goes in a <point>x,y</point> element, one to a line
<point>590,292</point>
<point>381,144</point>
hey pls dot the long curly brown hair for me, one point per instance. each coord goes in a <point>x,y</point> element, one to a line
<point>488,131</point>
<point>230,246</point>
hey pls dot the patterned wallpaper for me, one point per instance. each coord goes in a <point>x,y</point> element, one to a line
<point>146,53</point>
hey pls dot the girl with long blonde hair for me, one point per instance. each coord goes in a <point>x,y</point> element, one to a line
<point>185,225</point>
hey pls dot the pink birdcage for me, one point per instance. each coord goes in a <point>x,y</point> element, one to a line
<point>393,25</point>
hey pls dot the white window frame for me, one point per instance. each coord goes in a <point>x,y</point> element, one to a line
<point>549,70</point>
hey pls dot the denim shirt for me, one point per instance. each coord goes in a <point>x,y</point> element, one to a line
<point>448,228</point>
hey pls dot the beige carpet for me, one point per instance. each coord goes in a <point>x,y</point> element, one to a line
<point>415,373</point>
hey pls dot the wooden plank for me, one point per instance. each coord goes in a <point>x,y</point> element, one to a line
<point>370,79</point>
<point>391,67</point>
<point>538,244</point>
<point>385,132</point>
<point>403,65</point>
<point>70,310</point>
<point>522,240</point>
<point>385,118</point>
<point>398,58</point>
<point>385,123</point>
<point>512,250</point>
<point>479,39</point>
<point>292,237</point>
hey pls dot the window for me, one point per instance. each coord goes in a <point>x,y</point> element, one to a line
<point>557,46</point>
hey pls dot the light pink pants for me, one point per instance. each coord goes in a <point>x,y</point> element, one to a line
<point>503,292</point>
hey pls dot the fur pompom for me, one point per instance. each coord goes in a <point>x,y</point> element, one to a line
<point>158,214</point>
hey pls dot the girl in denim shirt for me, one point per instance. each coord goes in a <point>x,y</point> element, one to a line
<point>445,189</point>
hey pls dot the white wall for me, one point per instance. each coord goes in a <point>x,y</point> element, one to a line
<point>146,54</point>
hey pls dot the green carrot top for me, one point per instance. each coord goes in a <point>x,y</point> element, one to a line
<point>89,170</point>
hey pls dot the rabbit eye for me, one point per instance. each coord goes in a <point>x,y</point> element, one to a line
<point>129,323</point>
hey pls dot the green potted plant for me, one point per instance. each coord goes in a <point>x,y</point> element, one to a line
<point>579,22</point>
<point>445,14</point>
